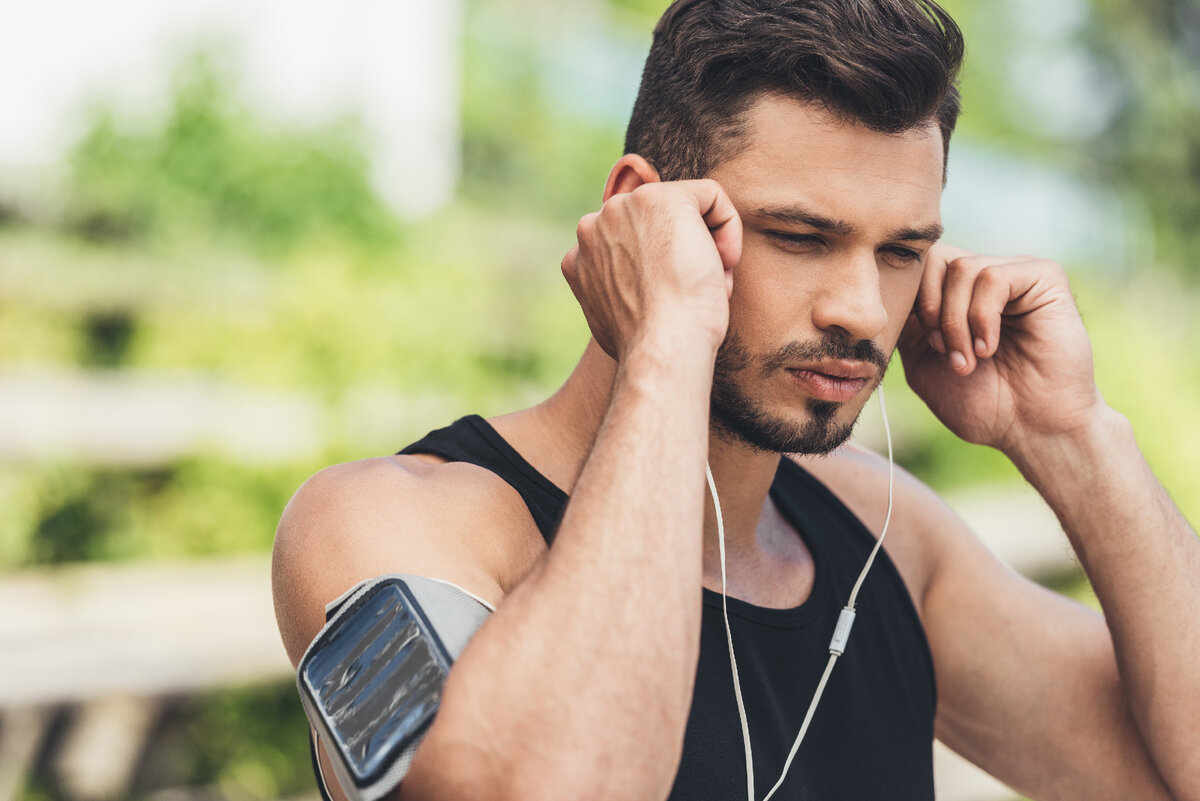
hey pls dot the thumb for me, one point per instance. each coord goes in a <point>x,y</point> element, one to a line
<point>913,342</point>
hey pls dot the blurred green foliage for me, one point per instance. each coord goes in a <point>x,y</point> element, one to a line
<point>246,743</point>
<point>1149,53</point>
<point>195,507</point>
<point>519,150</point>
<point>425,320</point>
<point>211,170</point>
<point>241,744</point>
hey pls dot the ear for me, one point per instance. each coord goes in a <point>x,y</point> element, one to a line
<point>630,172</point>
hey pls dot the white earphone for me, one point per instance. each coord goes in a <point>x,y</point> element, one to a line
<point>841,632</point>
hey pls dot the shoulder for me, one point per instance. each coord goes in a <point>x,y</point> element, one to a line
<point>922,524</point>
<point>397,514</point>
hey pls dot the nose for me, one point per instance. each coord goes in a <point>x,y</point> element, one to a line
<point>850,303</point>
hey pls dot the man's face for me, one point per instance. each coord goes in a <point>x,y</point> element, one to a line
<point>837,219</point>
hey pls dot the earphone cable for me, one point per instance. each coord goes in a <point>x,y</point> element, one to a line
<point>737,684</point>
<point>841,631</point>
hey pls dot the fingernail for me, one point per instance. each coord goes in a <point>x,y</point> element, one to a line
<point>936,342</point>
<point>957,360</point>
<point>980,346</point>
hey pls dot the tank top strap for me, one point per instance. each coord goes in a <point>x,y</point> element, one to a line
<point>472,439</point>
<point>839,540</point>
<point>806,501</point>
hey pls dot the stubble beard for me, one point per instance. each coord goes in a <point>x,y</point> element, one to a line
<point>739,416</point>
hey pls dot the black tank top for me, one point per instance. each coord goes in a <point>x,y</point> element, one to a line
<point>871,738</point>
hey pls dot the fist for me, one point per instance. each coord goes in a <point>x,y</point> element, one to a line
<point>657,261</point>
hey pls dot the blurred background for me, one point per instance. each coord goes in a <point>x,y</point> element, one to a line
<point>242,241</point>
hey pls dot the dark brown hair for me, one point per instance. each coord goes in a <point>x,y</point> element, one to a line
<point>890,65</point>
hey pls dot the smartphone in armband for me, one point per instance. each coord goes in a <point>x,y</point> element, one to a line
<point>371,682</point>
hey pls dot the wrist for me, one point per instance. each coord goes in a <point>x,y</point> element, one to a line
<point>1049,458</point>
<point>673,347</point>
<point>669,373</point>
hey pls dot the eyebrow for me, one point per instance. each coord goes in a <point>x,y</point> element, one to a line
<point>798,215</point>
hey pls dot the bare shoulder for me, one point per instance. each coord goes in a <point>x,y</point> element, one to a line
<point>922,523</point>
<point>398,514</point>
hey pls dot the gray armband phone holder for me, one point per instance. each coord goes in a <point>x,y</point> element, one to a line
<point>372,680</point>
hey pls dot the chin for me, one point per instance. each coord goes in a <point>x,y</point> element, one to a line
<point>747,405</point>
<point>819,429</point>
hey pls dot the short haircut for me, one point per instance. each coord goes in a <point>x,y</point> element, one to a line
<point>890,65</point>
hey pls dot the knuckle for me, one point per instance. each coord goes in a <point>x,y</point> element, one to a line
<point>644,193</point>
<point>990,278</point>
<point>586,227</point>
<point>568,262</point>
<point>928,313</point>
<point>644,200</point>
<point>959,267</point>
<point>979,318</point>
<point>954,326</point>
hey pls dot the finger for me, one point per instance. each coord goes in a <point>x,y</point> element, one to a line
<point>958,289</point>
<point>928,305</point>
<point>975,293</point>
<point>728,239</point>
<point>722,219</point>
<point>1033,283</point>
<point>913,342</point>
<point>711,201</point>
<point>993,291</point>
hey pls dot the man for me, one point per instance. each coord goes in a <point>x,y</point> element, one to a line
<point>766,241</point>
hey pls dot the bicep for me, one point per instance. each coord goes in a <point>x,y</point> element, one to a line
<point>1028,686</point>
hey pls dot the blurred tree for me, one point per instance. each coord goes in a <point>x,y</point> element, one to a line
<point>1150,51</point>
<point>210,169</point>
<point>522,151</point>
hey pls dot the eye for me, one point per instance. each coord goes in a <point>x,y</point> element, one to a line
<point>897,256</point>
<point>795,242</point>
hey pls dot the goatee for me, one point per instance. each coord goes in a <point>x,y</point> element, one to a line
<point>739,416</point>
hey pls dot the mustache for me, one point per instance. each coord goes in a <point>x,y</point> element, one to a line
<point>830,347</point>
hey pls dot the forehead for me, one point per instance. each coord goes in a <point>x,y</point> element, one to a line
<point>794,152</point>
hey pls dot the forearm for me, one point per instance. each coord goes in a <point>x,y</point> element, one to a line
<point>1144,563</point>
<point>580,684</point>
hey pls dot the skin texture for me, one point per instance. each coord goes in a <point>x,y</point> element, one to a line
<point>817,229</point>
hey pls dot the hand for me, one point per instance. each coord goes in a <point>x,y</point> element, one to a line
<point>997,350</point>
<point>657,259</point>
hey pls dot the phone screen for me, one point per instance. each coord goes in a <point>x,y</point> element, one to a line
<point>377,678</point>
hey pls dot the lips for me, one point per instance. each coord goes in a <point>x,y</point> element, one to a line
<point>836,381</point>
